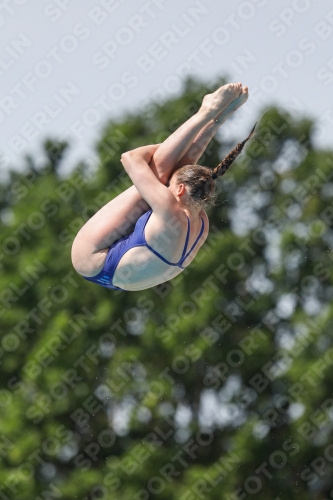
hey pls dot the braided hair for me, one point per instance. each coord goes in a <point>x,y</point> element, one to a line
<point>201,181</point>
<point>231,157</point>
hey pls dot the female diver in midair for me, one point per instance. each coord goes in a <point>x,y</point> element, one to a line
<point>166,203</point>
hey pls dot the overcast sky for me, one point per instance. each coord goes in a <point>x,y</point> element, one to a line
<point>67,66</point>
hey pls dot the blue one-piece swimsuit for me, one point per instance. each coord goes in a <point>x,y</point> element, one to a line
<point>135,239</point>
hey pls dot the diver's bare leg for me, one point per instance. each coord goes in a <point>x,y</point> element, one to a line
<point>176,146</point>
<point>207,133</point>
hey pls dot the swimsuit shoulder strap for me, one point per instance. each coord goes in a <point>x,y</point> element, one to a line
<point>143,221</point>
<point>184,257</point>
<point>187,238</point>
<point>145,217</point>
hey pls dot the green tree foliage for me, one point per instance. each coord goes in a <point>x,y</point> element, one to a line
<point>214,385</point>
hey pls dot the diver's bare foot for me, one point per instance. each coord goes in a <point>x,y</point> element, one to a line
<point>217,102</point>
<point>235,104</point>
<point>239,101</point>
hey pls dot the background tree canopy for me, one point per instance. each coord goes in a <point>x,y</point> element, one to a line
<point>214,385</point>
